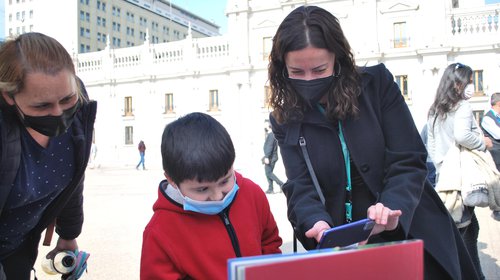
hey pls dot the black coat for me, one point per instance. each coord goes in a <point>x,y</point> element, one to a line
<point>67,208</point>
<point>387,151</point>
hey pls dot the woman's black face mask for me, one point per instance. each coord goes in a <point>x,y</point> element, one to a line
<point>313,90</point>
<point>50,125</point>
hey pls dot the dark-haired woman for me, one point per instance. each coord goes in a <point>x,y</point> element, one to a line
<point>361,142</point>
<point>451,121</point>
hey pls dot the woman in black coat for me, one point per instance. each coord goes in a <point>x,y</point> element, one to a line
<point>322,100</point>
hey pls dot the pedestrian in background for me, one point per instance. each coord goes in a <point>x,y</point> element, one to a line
<point>451,122</point>
<point>491,128</point>
<point>93,156</point>
<point>46,125</point>
<point>142,152</point>
<point>349,127</point>
<point>270,158</point>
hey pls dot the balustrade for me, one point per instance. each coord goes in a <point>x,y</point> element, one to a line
<point>469,22</point>
<point>195,52</point>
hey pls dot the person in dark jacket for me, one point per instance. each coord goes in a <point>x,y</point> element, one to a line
<point>354,126</point>
<point>270,158</point>
<point>46,126</point>
<point>490,125</point>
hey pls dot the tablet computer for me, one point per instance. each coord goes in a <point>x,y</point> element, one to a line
<point>347,234</point>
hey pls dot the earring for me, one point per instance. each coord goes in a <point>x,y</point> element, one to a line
<point>337,73</point>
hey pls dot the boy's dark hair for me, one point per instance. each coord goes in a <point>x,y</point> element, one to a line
<point>196,146</point>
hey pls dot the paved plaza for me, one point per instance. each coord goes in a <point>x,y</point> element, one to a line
<point>118,204</point>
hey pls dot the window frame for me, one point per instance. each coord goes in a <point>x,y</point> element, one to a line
<point>400,40</point>
<point>129,135</point>
<point>128,109</point>
<point>169,103</point>
<point>403,79</point>
<point>213,100</point>
<point>477,78</point>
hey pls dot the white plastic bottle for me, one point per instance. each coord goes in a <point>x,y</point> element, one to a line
<point>64,262</point>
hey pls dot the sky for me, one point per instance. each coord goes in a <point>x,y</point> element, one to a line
<point>211,10</point>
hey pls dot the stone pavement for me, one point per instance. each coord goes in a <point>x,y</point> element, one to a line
<point>118,204</point>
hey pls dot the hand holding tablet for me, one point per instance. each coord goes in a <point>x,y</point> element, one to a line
<point>345,235</point>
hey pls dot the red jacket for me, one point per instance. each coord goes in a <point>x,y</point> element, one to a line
<point>180,244</point>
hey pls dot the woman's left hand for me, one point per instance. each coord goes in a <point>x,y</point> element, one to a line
<point>385,219</point>
<point>488,143</point>
<point>63,245</point>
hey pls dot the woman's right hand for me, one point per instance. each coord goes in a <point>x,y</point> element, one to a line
<point>317,230</point>
<point>385,218</point>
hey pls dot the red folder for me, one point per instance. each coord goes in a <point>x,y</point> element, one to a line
<point>394,260</point>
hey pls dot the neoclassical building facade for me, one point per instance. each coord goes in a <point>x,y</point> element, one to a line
<point>140,89</point>
<point>88,25</point>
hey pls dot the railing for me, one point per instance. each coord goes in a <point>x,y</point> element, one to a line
<point>211,47</point>
<point>127,57</point>
<point>194,53</point>
<point>168,52</point>
<point>470,21</point>
<point>89,65</point>
<point>400,43</point>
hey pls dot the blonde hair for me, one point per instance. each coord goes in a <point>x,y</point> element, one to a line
<point>32,53</point>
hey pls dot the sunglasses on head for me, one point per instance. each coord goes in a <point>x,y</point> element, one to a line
<point>459,65</point>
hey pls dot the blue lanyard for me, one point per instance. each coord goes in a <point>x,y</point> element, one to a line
<point>348,187</point>
<point>347,163</point>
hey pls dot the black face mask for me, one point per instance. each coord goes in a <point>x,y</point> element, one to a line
<point>50,125</point>
<point>313,90</point>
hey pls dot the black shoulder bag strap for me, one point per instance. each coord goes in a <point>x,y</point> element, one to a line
<point>302,143</point>
<point>10,157</point>
<point>294,133</point>
<point>291,139</point>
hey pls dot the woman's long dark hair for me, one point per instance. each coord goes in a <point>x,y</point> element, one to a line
<point>450,90</point>
<point>312,26</point>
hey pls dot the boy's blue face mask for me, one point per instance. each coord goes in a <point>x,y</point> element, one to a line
<point>210,207</point>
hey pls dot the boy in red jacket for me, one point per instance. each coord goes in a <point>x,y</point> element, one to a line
<point>206,213</point>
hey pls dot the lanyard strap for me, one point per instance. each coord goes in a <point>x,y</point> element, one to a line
<point>348,187</point>
<point>347,164</point>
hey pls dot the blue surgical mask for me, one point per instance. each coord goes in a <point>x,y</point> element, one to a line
<point>210,207</point>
